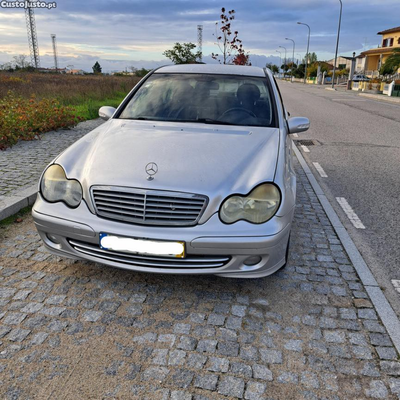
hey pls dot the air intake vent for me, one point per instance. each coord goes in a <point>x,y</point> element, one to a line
<point>190,262</point>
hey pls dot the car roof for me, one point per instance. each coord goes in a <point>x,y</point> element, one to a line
<point>211,69</point>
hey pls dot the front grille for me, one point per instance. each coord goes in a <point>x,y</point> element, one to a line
<point>148,207</point>
<point>190,262</point>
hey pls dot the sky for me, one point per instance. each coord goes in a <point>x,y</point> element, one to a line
<point>124,33</point>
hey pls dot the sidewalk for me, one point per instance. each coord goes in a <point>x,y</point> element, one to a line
<point>343,89</point>
<point>22,165</point>
<point>381,97</point>
<point>79,330</point>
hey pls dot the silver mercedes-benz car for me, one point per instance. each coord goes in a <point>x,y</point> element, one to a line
<point>191,174</point>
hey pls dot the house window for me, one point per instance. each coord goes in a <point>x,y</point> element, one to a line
<point>398,40</point>
<point>388,42</point>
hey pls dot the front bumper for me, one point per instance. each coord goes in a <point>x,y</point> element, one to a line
<point>212,248</point>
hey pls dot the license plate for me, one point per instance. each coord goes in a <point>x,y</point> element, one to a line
<point>159,248</point>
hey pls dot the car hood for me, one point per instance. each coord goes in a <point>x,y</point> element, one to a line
<point>212,160</point>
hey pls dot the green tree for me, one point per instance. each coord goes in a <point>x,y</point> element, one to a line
<point>312,58</point>
<point>299,71</point>
<point>96,68</point>
<point>313,69</point>
<point>392,63</point>
<point>275,69</point>
<point>142,72</point>
<point>182,53</point>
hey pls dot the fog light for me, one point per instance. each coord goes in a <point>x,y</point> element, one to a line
<point>252,261</point>
<point>53,238</point>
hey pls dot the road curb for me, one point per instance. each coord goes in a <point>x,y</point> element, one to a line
<point>380,97</point>
<point>381,304</point>
<point>12,204</point>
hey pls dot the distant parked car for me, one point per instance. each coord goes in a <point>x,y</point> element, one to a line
<point>360,77</point>
<point>192,174</point>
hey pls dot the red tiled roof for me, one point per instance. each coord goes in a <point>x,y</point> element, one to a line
<point>389,31</point>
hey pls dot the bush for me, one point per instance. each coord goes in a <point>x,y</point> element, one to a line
<point>26,119</point>
<point>32,103</point>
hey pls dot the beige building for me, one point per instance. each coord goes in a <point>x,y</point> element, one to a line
<point>343,62</point>
<point>76,72</point>
<point>375,58</point>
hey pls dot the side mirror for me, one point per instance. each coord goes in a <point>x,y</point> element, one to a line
<point>298,124</point>
<point>106,112</point>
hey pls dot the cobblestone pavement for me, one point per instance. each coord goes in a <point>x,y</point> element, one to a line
<point>78,330</point>
<point>22,164</point>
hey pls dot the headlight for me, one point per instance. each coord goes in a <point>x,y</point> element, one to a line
<point>257,207</point>
<point>56,187</point>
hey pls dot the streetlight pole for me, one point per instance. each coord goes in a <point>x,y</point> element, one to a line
<point>308,48</point>
<point>280,58</point>
<point>292,58</point>
<point>285,60</point>
<point>301,58</point>
<point>337,45</point>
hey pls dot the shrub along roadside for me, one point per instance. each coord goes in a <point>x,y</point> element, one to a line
<point>65,99</point>
<point>26,119</point>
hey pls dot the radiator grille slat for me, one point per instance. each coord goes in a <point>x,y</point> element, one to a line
<point>148,207</point>
<point>190,262</point>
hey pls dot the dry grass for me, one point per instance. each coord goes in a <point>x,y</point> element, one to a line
<point>33,103</point>
<point>67,89</point>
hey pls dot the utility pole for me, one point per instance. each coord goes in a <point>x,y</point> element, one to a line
<point>282,47</point>
<point>308,48</point>
<point>337,45</point>
<point>53,38</point>
<point>32,37</point>
<point>292,58</point>
<point>352,69</point>
<point>200,41</point>
<point>280,65</point>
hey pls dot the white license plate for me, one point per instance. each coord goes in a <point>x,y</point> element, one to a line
<point>142,246</point>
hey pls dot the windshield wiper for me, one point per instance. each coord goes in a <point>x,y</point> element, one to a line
<point>142,119</point>
<point>206,121</point>
<point>198,120</point>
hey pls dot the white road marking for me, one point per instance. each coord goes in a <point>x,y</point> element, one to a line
<point>353,217</point>
<point>396,284</point>
<point>320,170</point>
<point>305,149</point>
<point>295,135</point>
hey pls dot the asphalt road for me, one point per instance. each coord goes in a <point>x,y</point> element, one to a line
<point>359,150</point>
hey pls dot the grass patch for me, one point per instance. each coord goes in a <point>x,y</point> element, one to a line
<point>11,220</point>
<point>90,109</point>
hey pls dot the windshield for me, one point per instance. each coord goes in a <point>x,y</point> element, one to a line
<point>220,99</point>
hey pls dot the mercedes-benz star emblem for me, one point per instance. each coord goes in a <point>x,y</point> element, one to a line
<point>151,169</point>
